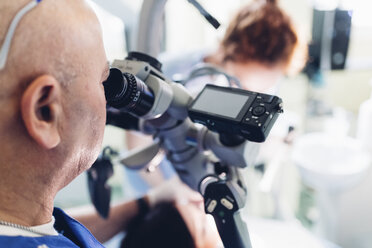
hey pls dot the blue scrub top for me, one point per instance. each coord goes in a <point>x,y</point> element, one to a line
<point>71,234</point>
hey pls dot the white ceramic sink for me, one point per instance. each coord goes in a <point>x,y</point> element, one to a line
<point>328,162</point>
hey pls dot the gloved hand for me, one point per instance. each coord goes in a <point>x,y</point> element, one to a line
<point>174,190</point>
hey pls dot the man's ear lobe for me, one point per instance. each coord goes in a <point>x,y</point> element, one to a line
<point>41,108</point>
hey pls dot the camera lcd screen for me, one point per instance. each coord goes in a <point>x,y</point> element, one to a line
<point>220,102</point>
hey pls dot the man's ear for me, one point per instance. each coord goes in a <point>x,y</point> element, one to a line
<point>41,109</point>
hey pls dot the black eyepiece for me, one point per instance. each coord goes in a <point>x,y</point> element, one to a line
<point>115,85</point>
<point>126,92</point>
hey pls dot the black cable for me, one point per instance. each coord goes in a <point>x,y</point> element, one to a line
<point>213,21</point>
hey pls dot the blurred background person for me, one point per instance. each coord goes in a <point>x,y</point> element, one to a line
<point>259,47</point>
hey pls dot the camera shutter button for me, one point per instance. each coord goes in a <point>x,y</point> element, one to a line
<point>259,110</point>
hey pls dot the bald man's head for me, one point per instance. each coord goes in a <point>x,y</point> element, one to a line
<point>53,102</point>
<point>52,85</point>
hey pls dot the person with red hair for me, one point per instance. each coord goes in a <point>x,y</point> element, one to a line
<point>260,46</point>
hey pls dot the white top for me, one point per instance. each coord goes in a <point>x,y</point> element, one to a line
<point>47,229</point>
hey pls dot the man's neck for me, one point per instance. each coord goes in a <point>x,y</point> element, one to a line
<point>26,205</point>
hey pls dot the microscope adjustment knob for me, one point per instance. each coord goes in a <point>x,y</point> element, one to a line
<point>212,206</point>
<point>227,204</point>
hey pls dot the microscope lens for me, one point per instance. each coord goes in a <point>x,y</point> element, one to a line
<point>128,93</point>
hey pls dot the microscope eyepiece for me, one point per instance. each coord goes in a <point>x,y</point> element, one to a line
<point>126,92</point>
<point>115,85</point>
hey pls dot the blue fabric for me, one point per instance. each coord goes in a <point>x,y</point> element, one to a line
<point>167,169</point>
<point>71,234</point>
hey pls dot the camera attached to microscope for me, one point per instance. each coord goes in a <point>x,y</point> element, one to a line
<point>236,111</point>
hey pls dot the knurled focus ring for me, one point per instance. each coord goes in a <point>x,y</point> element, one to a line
<point>131,90</point>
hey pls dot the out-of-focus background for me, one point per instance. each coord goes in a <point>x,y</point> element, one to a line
<point>322,180</point>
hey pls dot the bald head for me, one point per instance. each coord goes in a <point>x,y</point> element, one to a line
<point>52,86</point>
<point>45,40</point>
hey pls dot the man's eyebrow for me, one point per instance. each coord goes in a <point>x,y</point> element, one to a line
<point>106,71</point>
